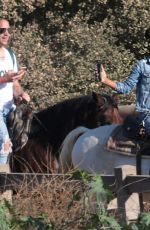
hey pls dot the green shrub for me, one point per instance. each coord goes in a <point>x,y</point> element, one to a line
<point>60,41</point>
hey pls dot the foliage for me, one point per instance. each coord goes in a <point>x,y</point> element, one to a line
<point>60,41</point>
<point>73,204</point>
<point>144,219</point>
<point>91,219</point>
<point>100,217</point>
<point>10,219</point>
<point>143,222</point>
<point>96,200</point>
<point>28,222</point>
<point>4,220</point>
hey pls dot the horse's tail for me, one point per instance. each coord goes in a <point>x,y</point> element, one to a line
<point>65,160</point>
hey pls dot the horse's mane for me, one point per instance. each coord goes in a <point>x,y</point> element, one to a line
<point>56,121</point>
<point>69,107</point>
<point>79,100</point>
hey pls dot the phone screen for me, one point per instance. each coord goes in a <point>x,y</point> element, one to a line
<point>97,72</point>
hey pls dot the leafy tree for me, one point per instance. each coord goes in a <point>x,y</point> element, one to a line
<point>60,41</point>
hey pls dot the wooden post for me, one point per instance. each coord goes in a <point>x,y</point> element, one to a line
<point>128,204</point>
<point>7,194</point>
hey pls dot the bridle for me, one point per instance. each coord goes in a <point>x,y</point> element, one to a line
<point>107,102</point>
<point>40,123</point>
<point>37,119</point>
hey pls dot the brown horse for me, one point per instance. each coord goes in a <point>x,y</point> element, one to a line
<point>50,126</point>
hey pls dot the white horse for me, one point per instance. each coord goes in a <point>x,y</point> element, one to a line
<point>99,150</point>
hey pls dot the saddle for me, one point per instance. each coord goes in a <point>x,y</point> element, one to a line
<point>129,138</point>
<point>134,129</point>
<point>19,124</point>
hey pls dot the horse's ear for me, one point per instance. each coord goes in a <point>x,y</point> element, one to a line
<point>98,98</point>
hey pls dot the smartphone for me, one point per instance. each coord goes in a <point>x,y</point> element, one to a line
<point>23,67</point>
<point>97,71</point>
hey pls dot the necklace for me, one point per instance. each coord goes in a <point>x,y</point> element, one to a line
<point>2,58</point>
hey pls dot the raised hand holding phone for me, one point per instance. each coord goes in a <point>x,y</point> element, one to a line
<point>103,76</point>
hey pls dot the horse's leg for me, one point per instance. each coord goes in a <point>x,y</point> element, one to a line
<point>23,160</point>
<point>12,163</point>
<point>54,165</point>
<point>49,162</point>
<point>34,157</point>
<point>18,163</point>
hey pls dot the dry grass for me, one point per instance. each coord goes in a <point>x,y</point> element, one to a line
<point>59,199</point>
<point>62,201</point>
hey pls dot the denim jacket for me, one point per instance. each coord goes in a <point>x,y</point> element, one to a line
<point>139,77</point>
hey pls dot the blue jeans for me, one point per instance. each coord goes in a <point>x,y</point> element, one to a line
<point>4,135</point>
<point>146,118</point>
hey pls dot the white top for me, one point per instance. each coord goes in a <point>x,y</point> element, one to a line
<point>6,89</point>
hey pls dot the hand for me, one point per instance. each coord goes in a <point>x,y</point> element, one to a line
<point>24,97</point>
<point>103,74</point>
<point>19,74</point>
<point>106,80</point>
<point>12,76</point>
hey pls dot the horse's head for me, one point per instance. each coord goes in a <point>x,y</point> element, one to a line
<point>107,109</point>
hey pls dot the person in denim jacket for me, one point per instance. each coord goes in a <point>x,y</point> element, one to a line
<point>138,78</point>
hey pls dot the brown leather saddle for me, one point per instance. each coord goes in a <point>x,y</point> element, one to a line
<point>19,124</point>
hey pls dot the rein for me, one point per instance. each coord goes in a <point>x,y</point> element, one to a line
<point>28,124</point>
<point>37,119</point>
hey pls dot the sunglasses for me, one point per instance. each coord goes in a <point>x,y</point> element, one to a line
<point>3,30</point>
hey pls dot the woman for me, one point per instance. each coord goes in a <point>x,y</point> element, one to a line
<point>138,78</point>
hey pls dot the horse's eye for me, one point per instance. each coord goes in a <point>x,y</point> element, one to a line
<point>101,108</point>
